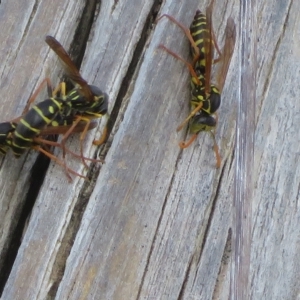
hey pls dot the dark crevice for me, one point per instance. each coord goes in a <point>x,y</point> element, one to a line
<point>77,51</point>
<point>224,266</point>
<point>114,6</point>
<point>155,238</point>
<point>155,235</point>
<point>37,176</point>
<point>67,242</point>
<point>186,277</point>
<point>82,33</point>
<point>231,159</point>
<point>81,36</point>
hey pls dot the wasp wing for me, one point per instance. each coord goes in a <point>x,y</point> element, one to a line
<point>69,66</point>
<point>227,52</point>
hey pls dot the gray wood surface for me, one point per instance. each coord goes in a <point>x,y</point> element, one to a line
<point>154,222</point>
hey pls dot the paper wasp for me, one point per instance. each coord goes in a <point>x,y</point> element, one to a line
<point>206,97</point>
<point>29,131</point>
<point>63,114</point>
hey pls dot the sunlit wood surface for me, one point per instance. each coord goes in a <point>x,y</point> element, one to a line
<point>154,222</point>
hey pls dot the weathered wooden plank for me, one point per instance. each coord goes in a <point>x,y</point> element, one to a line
<point>157,224</point>
<point>275,261</point>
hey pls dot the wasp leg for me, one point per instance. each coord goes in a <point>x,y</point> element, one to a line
<point>36,92</point>
<point>190,67</point>
<point>56,144</point>
<point>65,137</point>
<point>216,149</point>
<point>103,137</point>
<point>194,75</point>
<point>58,161</point>
<point>185,30</point>
<point>184,145</point>
<point>84,132</point>
<point>193,112</point>
<point>82,136</point>
<point>61,88</point>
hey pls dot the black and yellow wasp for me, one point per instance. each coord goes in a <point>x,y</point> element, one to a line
<point>38,141</point>
<point>61,113</point>
<point>205,97</point>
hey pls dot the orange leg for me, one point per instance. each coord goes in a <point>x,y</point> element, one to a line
<point>103,137</point>
<point>87,120</point>
<point>193,112</point>
<point>184,29</point>
<point>60,88</point>
<point>36,92</point>
<point>65,137</point>
<point>184,145</point>
<point>56,144</point>
<point>189,66</point>
<point>216,149</point>
<point>83,133</point>
<point>33,97</point>
<point>82,136</point>
<point>58,161</point>
<point>190,37</point>
<point>194,75</point>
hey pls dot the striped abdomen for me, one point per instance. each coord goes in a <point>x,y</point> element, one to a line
<point>201,35</point>
<point>37,118</point>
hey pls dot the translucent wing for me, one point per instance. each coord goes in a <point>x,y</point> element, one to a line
<point>69,67</point>
<point>227,52</point>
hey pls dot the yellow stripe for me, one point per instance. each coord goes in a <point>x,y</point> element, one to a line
<point>19,147</point>
<point>28,126</point>
<point>40,113</point>
<point>200,31</point>
<point>74,95</point>
<point>200,23</point>
<point>198,42</point>
<point>22,137</point>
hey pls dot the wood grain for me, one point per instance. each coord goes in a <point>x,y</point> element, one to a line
<point>154,222</point>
